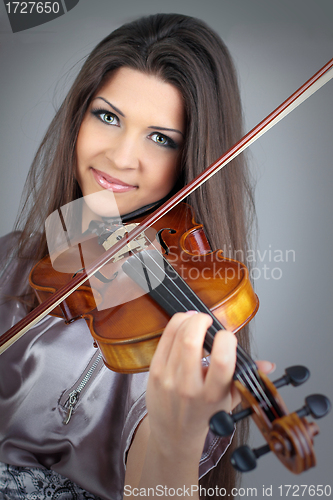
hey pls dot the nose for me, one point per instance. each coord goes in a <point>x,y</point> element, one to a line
<point>125,152</point>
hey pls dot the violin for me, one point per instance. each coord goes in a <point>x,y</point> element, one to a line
<point>126,337</point>
<point>189,276</point>
<point>289,436</point>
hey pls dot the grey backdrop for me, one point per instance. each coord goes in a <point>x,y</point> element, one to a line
<point>277,46</point>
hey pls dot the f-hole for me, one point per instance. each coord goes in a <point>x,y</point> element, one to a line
<point>160,238</point>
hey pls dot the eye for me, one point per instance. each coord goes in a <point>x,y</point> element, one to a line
<point>106,116</point>
<point>160,139</point>
<point>163,140</point>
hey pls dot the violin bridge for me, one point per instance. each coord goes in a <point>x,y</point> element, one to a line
<point>138,244</point>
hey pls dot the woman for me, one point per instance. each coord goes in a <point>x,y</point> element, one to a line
<point>154,104</point>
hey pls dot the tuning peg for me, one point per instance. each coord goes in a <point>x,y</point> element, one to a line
<point>222,423</point>
<point>316,405</point>
<point>294,375</point>
<point>244,459</point>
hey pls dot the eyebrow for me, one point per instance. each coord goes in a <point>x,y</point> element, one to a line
<point>111,105</point>
<point>168,129</point>
<point>151,127</point>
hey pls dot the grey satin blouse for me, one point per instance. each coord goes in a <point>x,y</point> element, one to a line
<point>53,375</point>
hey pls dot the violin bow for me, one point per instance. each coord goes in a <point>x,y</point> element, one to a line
<point>306,90</point>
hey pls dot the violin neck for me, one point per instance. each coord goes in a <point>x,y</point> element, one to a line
<point>153,273</point>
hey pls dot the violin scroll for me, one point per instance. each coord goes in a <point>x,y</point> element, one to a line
<point>289,435</point>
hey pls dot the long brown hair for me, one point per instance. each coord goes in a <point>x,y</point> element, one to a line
<point>186,53</point>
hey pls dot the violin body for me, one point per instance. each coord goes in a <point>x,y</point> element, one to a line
<point>127,333</point>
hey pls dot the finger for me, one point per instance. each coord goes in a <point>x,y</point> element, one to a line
<point>219,378</point>
<point>266,366</point>
<point>185,358</point>
<point>166,341</point>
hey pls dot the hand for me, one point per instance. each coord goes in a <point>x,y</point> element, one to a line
<point>182,394</point>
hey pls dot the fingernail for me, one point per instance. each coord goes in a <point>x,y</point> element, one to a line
<point>270,366</point>
<point>191,313</point>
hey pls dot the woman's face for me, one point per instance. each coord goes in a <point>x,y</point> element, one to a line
<point>129,142</point>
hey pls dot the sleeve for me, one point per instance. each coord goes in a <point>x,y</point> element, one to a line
<point>214,449</point>
<point>136,410</point>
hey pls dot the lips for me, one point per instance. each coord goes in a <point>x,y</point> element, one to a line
<point>111,183</point>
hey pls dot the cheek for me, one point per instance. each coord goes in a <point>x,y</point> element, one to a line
<point>87,141</point>
<point>162,181</point>
<point>82,145</point>
<point>167,174</point>
<point>173,172</point>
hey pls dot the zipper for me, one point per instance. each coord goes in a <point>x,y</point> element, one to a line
<point>74,395</point>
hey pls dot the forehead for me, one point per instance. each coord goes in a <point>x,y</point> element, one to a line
<point>132,90</point>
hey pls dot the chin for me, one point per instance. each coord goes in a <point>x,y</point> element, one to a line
<point>101,204</point>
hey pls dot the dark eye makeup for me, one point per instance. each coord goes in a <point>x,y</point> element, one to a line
<point>105,116</point>
<point>163,140</point>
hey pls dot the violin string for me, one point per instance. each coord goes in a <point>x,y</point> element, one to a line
<point>247,376</point>
<point>254,384</point>
<point>242,376</point>
<point>250,368</point>
<point>245,369</point>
